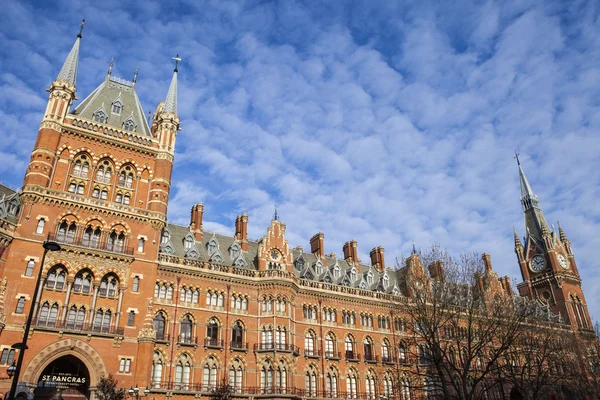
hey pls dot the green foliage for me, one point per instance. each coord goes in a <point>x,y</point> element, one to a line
<point>107,389</point>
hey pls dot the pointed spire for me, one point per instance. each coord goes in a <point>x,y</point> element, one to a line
<point>518,243</point>
<point>110,66</point>
<point>171,101</point>
<point>135,74</point>
<point>526,191</point>
<point>68,72</point>
<point>563,236</point>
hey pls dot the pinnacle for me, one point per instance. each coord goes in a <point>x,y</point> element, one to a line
<point>517,240</point>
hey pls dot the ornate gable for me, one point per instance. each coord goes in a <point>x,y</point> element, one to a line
<point>273,249</point>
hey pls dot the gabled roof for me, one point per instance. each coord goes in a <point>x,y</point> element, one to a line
<point>109,91</point>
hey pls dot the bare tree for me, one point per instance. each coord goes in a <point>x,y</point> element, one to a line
<point>541,362</point>
<point>463,320</point>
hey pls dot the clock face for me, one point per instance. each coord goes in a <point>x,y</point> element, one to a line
<point>538,264</point>
<point>275,255</point>
<point>562,260</point>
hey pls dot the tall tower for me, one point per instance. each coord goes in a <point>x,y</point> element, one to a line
<point>547,263</point>
<point>98,184</point>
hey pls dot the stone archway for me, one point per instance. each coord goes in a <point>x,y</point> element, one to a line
<point>73,347</point>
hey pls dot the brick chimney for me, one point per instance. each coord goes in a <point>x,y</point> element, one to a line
<point>196,221</point>
<point>506,285</point>
<point>316,245</point>
<point>436,270</point>
<point>378,259</point>
<point>350,251</point>
<point>487,262</point>
<point>241,230</point>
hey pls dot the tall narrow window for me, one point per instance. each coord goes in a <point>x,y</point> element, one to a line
<point>212,332</point>
<point>159,326</point>
<point>185,334</point>
<point>39,229</point>
<point>157,367</point>
<point>135,287</point>
<point>141,243</point>
<point>29,268</point>
<point>237,333</point>
<point>235,376</point>
<point>131,318</point>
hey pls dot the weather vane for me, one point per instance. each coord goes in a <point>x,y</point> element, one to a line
<point>275,216</point>
<point>81,27</point>
<point>517,157</point>
<point>177,59</point>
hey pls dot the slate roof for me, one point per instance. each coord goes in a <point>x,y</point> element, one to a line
<point>178,233</point>
<point>9,196</point>
<point>109,91</point>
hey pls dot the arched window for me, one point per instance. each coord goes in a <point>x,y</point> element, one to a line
<point>281,377</point>
<point>235,376</point>
<point>405,388</point>
<point>266,377</point>
<point>126,177</point>
<point>71,316</point>
<point>129,124</point>
<point>100,116</point>
<point>352,384</point>
<point>237,333</point>
<point>56,278</point>
<point>188,242</point>
<point>331,383</point>
<point>185,333</point>
<point>109,286</point>
<point>309,344</point>
<point>388,386</point>
<point>81,167</point>
<point>159,326</point>
<point>311,381</point>
<point>43,314</point>
<point>183,370</point>
<point>209,375</point>
<point>117,107</point>
<point>157,368</point>
<point>195,296</point>
<point>368,346</point>
<point>212,332</point>
<point>370,385</point>
<point>402,355</point>
<point>349,348</point>
<point>115,241</point>
<point>385,351</point>
<point>329,346</point>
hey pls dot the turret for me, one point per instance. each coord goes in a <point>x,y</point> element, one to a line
<point>62,93</point>
<point>165,127</point>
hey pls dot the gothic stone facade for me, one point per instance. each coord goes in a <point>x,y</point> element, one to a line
<point>176,310</point>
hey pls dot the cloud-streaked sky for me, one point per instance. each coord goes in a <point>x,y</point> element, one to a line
<point>388,122</point>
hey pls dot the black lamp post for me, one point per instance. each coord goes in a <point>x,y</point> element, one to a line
<point>48,246</point>
<point>135,392</point>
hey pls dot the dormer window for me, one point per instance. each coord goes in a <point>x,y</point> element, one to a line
<point>386,280</point>
<point>213,246</point>
<point>166,236</point>
<point>188,243</point>
<point>370,278</point>
<point>234,251</point>
<point>117,107</point>
<point>100,116</point>
<point>336,271</point>
<point>129,124</point>
<point>353,274</point>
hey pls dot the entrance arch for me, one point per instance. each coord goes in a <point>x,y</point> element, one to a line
<point>67,377</point>
<point>79,350</point>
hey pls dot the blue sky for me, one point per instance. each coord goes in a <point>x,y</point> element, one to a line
<point>387,122</point>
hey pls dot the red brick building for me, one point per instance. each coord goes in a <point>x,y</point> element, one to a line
<point>177,310</point>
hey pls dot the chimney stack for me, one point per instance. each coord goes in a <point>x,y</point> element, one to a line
<point>241,230</point>
<point>350,251</point>
<point>487,262</point>
<point>196,221</point>
<point>436,270</point>
<point>378,259</point>
<point>316,245</point>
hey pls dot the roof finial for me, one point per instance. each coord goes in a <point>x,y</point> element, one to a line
<point>414,250</point>
<point>517,158</point>
<point>177,59</point>
<point>81,27</point>
<point>135,74</point>
<point>112,59</point>
<point>275,215</point>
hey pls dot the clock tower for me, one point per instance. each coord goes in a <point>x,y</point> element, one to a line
<point>547,263</point>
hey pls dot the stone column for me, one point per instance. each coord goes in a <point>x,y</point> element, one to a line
<point>93,308</point>
<point>67,298</point>
<point>119,305</point>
